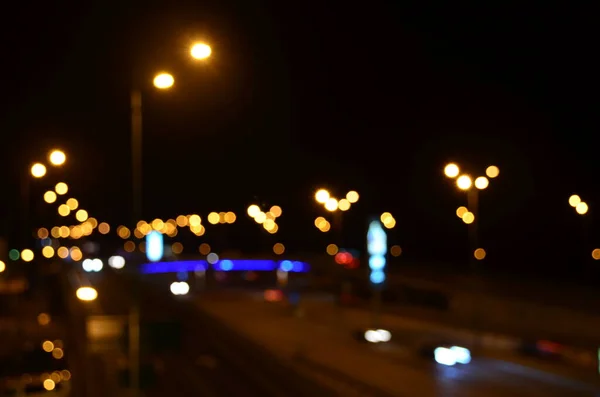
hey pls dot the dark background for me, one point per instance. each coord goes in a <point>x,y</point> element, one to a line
<point>375,97</point>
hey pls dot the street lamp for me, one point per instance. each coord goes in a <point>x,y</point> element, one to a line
<point>200,51</point>
<point>86,294</point>
<point>38,170</point>
<point>162,81</point>
<point>57,157</point>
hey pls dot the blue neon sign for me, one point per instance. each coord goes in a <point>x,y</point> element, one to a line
<point>155,246</point>
<point>377,248</point>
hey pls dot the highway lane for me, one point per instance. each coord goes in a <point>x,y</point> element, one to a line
<point>212,361</point>
<point>483,377</point>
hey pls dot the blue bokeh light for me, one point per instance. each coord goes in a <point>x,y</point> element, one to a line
<point>225,265</point>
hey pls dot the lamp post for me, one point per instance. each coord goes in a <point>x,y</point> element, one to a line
<point>161,81</point>
<point>470,215</point>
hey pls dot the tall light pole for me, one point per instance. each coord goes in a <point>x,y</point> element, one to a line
<point>470,215</point>
<point>161,81</point>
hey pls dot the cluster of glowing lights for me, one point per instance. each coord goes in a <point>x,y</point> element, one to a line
<point>322,196</point>
<point>322,224</point>
<point>268,219</point>
<point>165,80</point>
<point>464,214</point>
<point>55,157</point>
<point>388,221</point>
<point>346,259</point>
<point>465,182</point>
<point>580,206</point>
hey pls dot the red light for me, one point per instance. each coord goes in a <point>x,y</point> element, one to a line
<point>343,258</point>
<point>273,295</point>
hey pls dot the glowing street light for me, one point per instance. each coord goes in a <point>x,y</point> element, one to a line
<point>164,81</point>
<point>482,182</point>
<point>451,170</point>
<point>200,51</point>
<point>574,200</point>
<point>322,196</point>
<point>57,157</point>
<point>582,208</point>
<point>464,182</point>
<point>492,171</point>
<point>38,170</point>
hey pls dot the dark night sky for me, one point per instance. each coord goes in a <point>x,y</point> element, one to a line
<point>372,96</point>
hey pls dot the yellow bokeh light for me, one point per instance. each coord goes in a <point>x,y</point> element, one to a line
<point>385,217</point>
<point>48,251</point>
<point>261,217</point>
<point>164,81</point>
<point>42,233</point>
<point>27,255</point>
<point>57,157</point>
<point>200,51</point>
<point>331,204</point>
<point>582,208</point>
<point>468,218</point>
<point>64,210</point>
<point>158,224</point>
<point>461,211</point>
<point>390,223</point>
<point>44,319</point>
<point>64,232</point>
<point>182,220</point>
<point>204,249</point>
<point>276,211</point>
<point>194,220</point>
<point>451,170</point>
<point>596,254</point>
<point>322,196</point>
<point>62,252</point>
<point>73,204</point>
<point>479,254</point>
<point>129,246</point>
<point>38,170</point>
<point>253,211</point>
<point>482,182</point>
<point>344,205</point>
<point>278,249</point>
<point>177,248</point>
<point>76,254</point>
<point>325,227</point>
<point>61,188</point>
<point>574,200</point>
<point>55,232</point>
<point>50,197</point>
<point>352,196</point>
<point>2,266</point>
<point>230,217</point>
<point>492,171</point>
<point>124,232</point>
<point>464,182</point>
<point>47,346</point>
<point>104,228</point>
<point>81,215</point>
<point>273,229</point>
<point>49,384</point>
<point>332,249</point>
<point>213,218</point>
